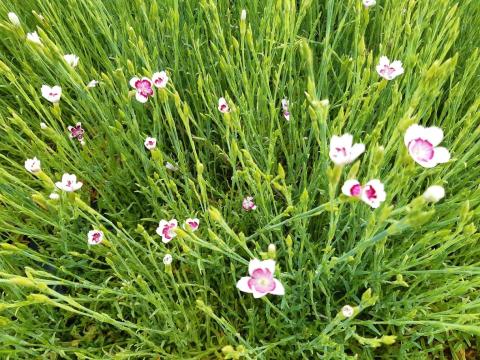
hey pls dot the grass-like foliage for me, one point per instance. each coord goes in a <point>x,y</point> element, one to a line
<point>409,269</point>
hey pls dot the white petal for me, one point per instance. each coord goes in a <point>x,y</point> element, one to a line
<point>415,131</point>
<point>253,265</point>
<point>242,284</point>
<point>257,294</point>
<point>268,264</point>
<point>141,98</point>
<point>383,61</point>
<point>346,188</point>
<point>434,135</point>
<point>441,155</point>
<point>279,289</point>
<point>133,81</point>
<point>356,151</point>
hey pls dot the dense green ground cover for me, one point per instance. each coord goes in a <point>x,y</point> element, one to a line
<point>411,270</point>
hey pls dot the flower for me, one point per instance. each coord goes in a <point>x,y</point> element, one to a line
<point>14,18</point>
<point>352,188</point>
<point>160,79</point>
<point>166,229</point>
<point>33,37</point>
<point>170,166</point>
<point>261,281</point>
<point>92,84</point>
<point>223,106</point>
<point>422,145</point>
<point>434,193</point>
<point>373,193</point>
<point>389,70</point>
<point>342,150</point>
<point>69,183</point>
<point>95,237</point>
<point>33,165</point>
<point>150,143</point>
<point>286,113</point>
<point>167,259</point>
<point>71,60</point>
<point>52,94</point>
<point>243,15</point>
<point>143,87</point>
<point>76,132</point>
<point>191,224</point>
<point>43,126</point>
<point>54,196</point>
<point>347,311</point>
<point>248,204</point>
<point>369,3</point>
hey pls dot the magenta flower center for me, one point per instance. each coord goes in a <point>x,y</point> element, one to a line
<point>193,224</point>
<point>342,151</point>
<point>421,149</point>
<point>77,132</point>
<point>52,94</point>
<point>144,87</point>
<point>167,231</point>
<point>261,281</point>
<point>387,70</point>
<point>371,192</point>
<point>355,190</point>
<point>96,237</point>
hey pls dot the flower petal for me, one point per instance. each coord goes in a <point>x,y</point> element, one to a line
<point>141,98</point>
<point>441,155</point>
<point>133,81</point>
<point>434,135</point>
<point>242,284</point>
<point>279,289</point>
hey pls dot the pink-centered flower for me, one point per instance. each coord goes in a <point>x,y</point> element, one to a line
<point>160,79</point>
<point>95,237</point>
<point>343,151</point>
<point>422,145</point>
<point>33,165</point>
<point>373,193</point>
<point>191,224</point>
<point>143,87</point>
<point>223,105</point>
<point>389,70</point>
<point>352,188</point>
<point>369,3</point>
<point>76,132</point>
<point>248,204</point>
<point>52,94</point>
<point>166,229</point>
<point>150,143</point>
<point>69,183</point>
<point>261,280</point>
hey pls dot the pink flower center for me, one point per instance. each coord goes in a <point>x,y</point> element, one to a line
<point>355,190</point>
<point>341,151</point>
<point>421,150</point>
<point>69,183</point>
<point>77,132</point>
<point>223,107</point>
<point>96,237</point>
<point>387,70</point>
<point>262,281</point>
<point>159,81</point>
<point>144,87</point>
<point>53,94</point>
<point>371,192</point>
<point>167,231</point>
<point>192,224</point>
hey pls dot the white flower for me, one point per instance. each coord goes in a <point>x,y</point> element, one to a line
<point>52,94</point>
<point>170,166</point>
<point>33,37</point>
<point>143,88</point>
<point>261,280</point>
<point>343,151</point>
<point>69,183</point>
<point>71,60</point>
<point>422,145</point>
<point>369,3</point>
<point>434,193</point>
<point>389,70</point>
<point>33,165</point>
<point>150,143</point>
<point>95,237</point>
<point>373,193</point>
<point>92,84</point>
<point>191,224</point>
<point>248,204</point>
<point>160,79</point>
<point>347,311</point>
<point>43,126</point>
<point>54,196</point>
<point>166,229</point>
<point>223,105</point>
<point>243,15</point>
<point>14,18</point>
<point>167,259</point>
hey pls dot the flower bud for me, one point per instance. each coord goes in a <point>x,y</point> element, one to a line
<point>434,193</point>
